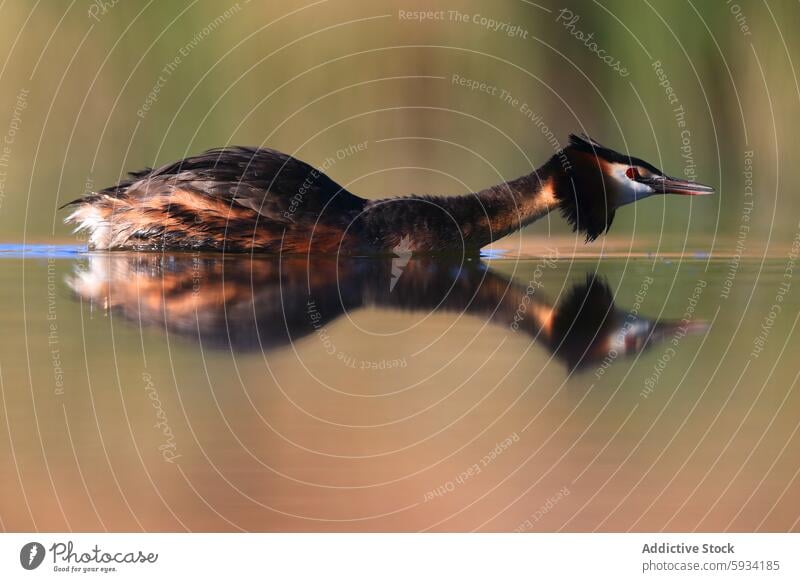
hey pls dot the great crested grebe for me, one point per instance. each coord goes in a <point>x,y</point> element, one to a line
<point>239,199</point>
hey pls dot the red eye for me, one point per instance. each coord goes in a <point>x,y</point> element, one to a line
<point>632,173</point>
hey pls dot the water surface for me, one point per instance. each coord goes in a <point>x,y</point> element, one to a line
<point>187,391</point>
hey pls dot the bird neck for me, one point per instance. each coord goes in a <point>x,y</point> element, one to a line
<point>507,207</point>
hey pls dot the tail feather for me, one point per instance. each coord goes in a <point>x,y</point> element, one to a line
<point>93,218</point>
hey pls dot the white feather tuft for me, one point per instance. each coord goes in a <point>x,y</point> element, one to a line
<point>92,219</point>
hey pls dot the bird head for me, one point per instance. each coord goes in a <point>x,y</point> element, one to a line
<point>592,181</point>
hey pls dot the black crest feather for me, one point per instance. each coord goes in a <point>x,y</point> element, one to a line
<point>584,143</point>
<point>583,198</point>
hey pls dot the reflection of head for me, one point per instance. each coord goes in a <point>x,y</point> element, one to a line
<point>583,323</point>
<point>587,328</point>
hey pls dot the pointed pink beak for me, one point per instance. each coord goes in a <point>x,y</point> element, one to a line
<point>667,185</point>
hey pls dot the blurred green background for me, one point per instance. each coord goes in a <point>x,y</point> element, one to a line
<point>91,90</point>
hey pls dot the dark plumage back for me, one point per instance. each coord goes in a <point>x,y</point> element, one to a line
<point>262,179</point>
<point>234,198</point>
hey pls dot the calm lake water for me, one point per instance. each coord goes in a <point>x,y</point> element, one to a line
<point>172,392</point>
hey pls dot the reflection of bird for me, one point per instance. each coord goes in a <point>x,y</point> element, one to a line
<point>240,199</point>
<point>265,303</point>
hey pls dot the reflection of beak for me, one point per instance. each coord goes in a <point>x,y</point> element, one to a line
<point>667,185</point>
<point>665,329</point>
